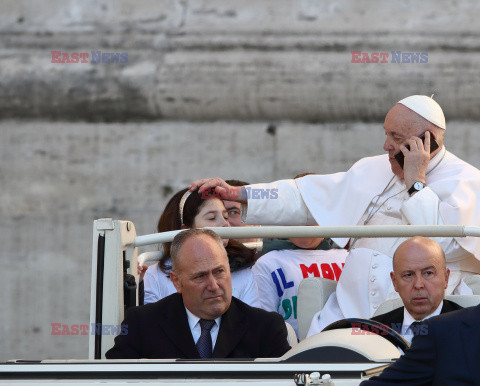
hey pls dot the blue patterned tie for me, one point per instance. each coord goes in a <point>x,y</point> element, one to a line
<point>416,328</point>
<point>204,343</point>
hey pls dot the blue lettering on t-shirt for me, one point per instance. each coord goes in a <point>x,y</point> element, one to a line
<point>284,281</point>
<point>277,284</point>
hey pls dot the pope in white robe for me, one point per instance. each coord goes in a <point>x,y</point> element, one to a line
<point>431,189</point>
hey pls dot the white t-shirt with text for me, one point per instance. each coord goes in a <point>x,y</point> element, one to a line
<point>279,273</point>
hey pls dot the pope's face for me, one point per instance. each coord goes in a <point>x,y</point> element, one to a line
<point>401,124</point>
<point>202,276</point>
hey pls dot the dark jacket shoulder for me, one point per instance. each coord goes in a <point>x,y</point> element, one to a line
<point>391,319</point>
<point>394,318</point>
<point>150,311</point>
<point>449,306</point>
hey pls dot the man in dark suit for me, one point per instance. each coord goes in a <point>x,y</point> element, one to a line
<point>448,354</point>
<point>202,320</point>
<point>420,276</point>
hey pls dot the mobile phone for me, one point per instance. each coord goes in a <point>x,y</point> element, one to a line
<point>433,146</point>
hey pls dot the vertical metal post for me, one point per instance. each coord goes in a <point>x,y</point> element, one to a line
<point>115,239</point>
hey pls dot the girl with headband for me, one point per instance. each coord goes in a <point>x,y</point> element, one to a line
<point>189,210</point>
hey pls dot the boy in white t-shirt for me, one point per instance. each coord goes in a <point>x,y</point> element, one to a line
<point>279,273</point>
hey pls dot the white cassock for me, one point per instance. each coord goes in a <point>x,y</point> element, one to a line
<point>370,190</point>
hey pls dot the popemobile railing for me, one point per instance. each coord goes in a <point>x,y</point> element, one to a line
<point>357,231</point>
<point>115,251</point>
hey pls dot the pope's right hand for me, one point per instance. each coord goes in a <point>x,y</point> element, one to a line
<point>216,187</point>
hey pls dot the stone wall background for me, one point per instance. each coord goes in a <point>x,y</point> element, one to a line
<point>254,90</point>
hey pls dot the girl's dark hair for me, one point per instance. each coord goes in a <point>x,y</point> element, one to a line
<point>239,256</point>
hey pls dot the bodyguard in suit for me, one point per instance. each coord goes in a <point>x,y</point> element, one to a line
<point>202,320</point>
<point>420,276</point>
<point>449,354</point>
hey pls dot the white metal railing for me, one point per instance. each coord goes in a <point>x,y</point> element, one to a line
<point>324,231</point>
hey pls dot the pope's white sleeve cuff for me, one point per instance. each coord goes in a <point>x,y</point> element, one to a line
<point>422,208</point>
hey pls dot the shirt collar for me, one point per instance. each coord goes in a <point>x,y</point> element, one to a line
<point>194,319</point>
<point>409,319</point>
<point>436,160</point>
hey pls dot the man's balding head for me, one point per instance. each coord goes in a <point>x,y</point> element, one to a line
<point>417,243</point>
<point>420,275</point>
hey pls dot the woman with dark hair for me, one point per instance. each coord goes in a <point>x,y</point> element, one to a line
<point>189,210</point>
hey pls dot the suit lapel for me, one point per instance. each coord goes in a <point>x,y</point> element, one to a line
<point>176,327</point>
<point>449,306</point>
<point>470,336</point>
<point>398,317</point>
<point>233,327</point>
<point>397,320</point>
<point>394,319</point>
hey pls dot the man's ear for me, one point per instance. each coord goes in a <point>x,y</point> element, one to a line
<point>447,275</point>
<point>176,281</point>
<point>392,276</point>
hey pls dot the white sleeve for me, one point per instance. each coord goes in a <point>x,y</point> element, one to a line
<point>249,293</point>
<point>277,203</point>
<point>150,281</point>
<point>423,209</point>
<point>269,300</point>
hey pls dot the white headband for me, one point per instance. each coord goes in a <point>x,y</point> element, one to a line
<point>182,204</point>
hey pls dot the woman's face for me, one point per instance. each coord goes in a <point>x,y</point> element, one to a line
<point>212,214</point>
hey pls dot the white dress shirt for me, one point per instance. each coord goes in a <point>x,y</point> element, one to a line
<point>194,323</point>
<point>408,319</point>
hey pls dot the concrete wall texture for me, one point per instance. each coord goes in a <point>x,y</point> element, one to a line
<point>254,90</point>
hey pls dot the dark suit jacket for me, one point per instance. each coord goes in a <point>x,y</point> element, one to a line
<point>448,355</point>
<point>394,319</point>
<point>160,330</point>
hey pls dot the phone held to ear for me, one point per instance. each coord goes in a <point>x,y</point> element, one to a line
<point>433,146</point>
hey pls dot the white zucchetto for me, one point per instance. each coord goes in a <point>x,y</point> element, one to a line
<point>427,108</point>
